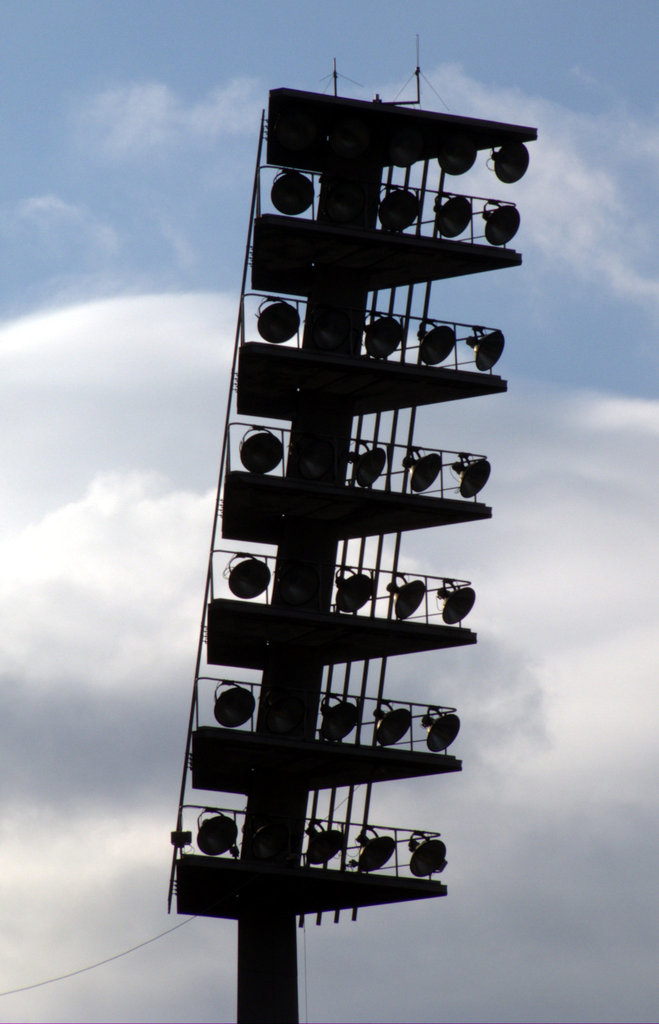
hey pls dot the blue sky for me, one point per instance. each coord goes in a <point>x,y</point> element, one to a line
<point>128,134</point>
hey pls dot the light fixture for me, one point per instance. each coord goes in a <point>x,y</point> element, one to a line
<point>456,154</point>
<point>382,336</point>
<point>270,841</point>
<point>233,705</point>
<point>349,138</point>
<point>295,129</point>
<point>216,835</point>
<point>297,583</point>
<point>248,578</point>
<point>314,456</point>
<point>376,850</point>
<point>330,327</point>
<point>428,855</point>
<point>323,844</point>
<point>408,596</point>
<point>392,724</point>
<point>338,719</point>
<point>284,713</point>
<point>511,161</point>
<point>453,216</point>
<point>398,209</point>
<point>424,469</point>
<point>406,147</point>
<point>292,193</point>
<point>473,474</point>
<point>260,451</point>
<point>437,342</point>
<point>277,321</point>
<point>343,200</point>
<point>501,222</point>
<point>487,348</point>
<point>368,465</point>
<point>458,601</point>
<point>442,729</point>
<point>352,592</point>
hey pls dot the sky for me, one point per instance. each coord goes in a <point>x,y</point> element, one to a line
<point>128,133</point>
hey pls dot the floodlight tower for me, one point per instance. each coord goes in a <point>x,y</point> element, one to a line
<point>351,224</point>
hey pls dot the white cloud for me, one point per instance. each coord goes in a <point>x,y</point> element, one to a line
<point>48,220</point>
<point>130,121</point>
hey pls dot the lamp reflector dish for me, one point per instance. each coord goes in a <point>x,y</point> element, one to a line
<point>453,216</point>
<point>278,322</point>
<point>392,726</point>
<point>315,457</point>
<point>295,130</point>
<point>261,452</point>
<point>298,583</point>
<point>284,714</point>
<point>383,336</point>
<point>425,471</point>
<point>442,732</point>
<point>473,477</point>
<point>487,349</point>
<point>330,328</point>
<point>349,138</point>
<point>323,845</point>
<point>457,604</point>
<point>437,345</point>
<point>406,147</point>
<point>408,598</point>
<point>398,209</point>
<point>428,857</point>
<point>352,592</point>
<point>344,201</point>
<point>369,466</point>
<point>375,853</point>
<point>234,706</point>
<point>249,578</point>
<point>216,835</point>
<point>511,162</point>
<point>457,154</point>
<point>338,720</point>
<point>501,224</point>
<point>269,841</point>
<point>292,193</point>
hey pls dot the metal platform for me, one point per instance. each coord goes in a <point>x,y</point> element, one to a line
<point>256,508</point>
<point>240,634</point>
<point>226,888</point>
<point>287,253</point>
<point>270,377</point>
<point>225,760</point>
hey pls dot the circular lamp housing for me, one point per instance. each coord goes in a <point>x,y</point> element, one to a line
<point>261,451</point>
<point>330,328</point>
<point>392,726</point>
<point>406,147</point>
<point>315,457</point>
<point>457,604</point>
<point>295,130</point>
<point>398,209</point>
<point>352,592</point>
<point>487,349</point>
<point>408,598</point>
<point>216,835</point>
<point>375,852</point>
<point>234,705</point>
<point>436,345</point>
<point>344,201</point>
<point>425,471</point>
<point>441,731</point>
<point>284,714</point>
<point>456,154</point>
<point>428,857</point>
<point>511,161</point>
<point>338,719</point>
<point>501,224</point>
<point>453,216</point>
<point>383,336</point>
<point>249,578</point>
<point>291,193</point>
<point>278,322</point>
<point>298,583</point>
<point>323,845</point>
<point>270,841</point>
<point>473,477</point>
<point>349,138</point>
<point>369,466</point>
